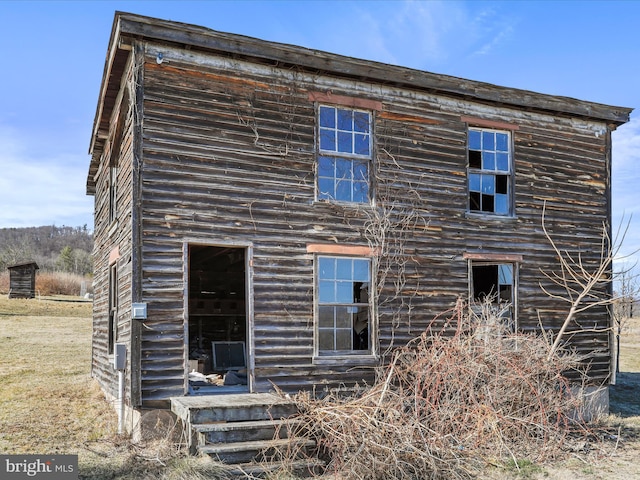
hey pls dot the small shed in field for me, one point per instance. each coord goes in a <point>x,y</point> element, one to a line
<point>22,280</point>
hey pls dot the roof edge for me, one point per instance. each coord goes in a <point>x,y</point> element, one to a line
<point>203,38</point>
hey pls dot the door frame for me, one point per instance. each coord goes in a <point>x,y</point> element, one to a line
<point>248,269</point>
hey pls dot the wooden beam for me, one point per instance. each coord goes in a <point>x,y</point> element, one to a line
<point>341,249</point>
<point>492,257</point>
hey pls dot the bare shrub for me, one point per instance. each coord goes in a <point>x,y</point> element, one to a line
<point>446,404</point>
<point>60,283</point>
<point>53,283</point>
<point>4,282</point>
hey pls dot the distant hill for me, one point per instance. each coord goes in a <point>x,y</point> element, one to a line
<point>52,248</point>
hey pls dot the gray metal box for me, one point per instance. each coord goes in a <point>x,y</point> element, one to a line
<point>120,356</point>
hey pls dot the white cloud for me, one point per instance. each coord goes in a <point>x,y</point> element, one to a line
<point>427,26</point>
<point>626,178</point>
<point>491,30</point>
<point>423,35</point>
<point>41,190</point>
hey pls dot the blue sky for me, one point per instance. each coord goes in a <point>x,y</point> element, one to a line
<point>53,52</point>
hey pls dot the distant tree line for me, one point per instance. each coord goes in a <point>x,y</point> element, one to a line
<point>66,249</point>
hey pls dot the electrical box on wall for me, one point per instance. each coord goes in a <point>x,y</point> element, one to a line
<point>120,356</point>
<point>139,311</point>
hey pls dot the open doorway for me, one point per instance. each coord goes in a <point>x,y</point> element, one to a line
<point>217,330</point>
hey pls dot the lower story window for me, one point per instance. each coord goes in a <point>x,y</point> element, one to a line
<point>494,283</point>
<point>343,308</point>
<point>113,307</point>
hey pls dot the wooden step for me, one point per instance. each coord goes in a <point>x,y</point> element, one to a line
<point>239,429</point>
<point>308,467</point>
<point>231,408</point>
<point>254,451</point>
<point>242,431</point>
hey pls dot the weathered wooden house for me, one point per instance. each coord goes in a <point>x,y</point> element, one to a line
<point>285,216</point>
<point>22,280</point>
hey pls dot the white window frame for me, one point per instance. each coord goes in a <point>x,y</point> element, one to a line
<point>332,137</point>
<point>483,179</point>
<point>348,356</point>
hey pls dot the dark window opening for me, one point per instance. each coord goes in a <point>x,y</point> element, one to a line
<point>113,192</point>
<point>493,282</point>
<point>474,199</point>
<point>475,159</point>
<point>484,281</point>
<point>502,184</point>
<point>487,203</point>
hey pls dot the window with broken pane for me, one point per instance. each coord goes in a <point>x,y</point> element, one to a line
<point>489,171</point>
<point>494,283</point>
<point>344,143</point>
<point>343,324</point>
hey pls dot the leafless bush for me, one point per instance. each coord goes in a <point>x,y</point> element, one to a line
<point>53,283</point>
<point>446,404</point>
<point>4,282</point>
<point>61,283</point>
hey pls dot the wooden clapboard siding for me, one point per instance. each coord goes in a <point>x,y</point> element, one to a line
<point>213,169</point>
<point>220,149</point>
<point>109,237</point>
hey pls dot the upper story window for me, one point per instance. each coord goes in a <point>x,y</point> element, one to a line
<point>342,303</point>
<point>113,192</point>
<point>490,171</point>
<point>116,151</point>
<point>344,145</point>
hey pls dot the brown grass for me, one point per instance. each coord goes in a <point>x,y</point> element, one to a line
<point>50,405</point>
<point>54,306</point>
<point>53,283</point>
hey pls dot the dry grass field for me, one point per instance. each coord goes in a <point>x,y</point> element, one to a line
<point>49,404</point>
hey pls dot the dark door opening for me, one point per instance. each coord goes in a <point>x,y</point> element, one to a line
<point>217,333</point>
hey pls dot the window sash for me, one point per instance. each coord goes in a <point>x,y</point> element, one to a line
<point>489,171</point>
<point>343,179</point>
<point>343,316</point>
<point>344,131</point>
<point>344,154</point>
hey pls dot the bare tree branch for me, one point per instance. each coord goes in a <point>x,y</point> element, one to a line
<point>582,283</point>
